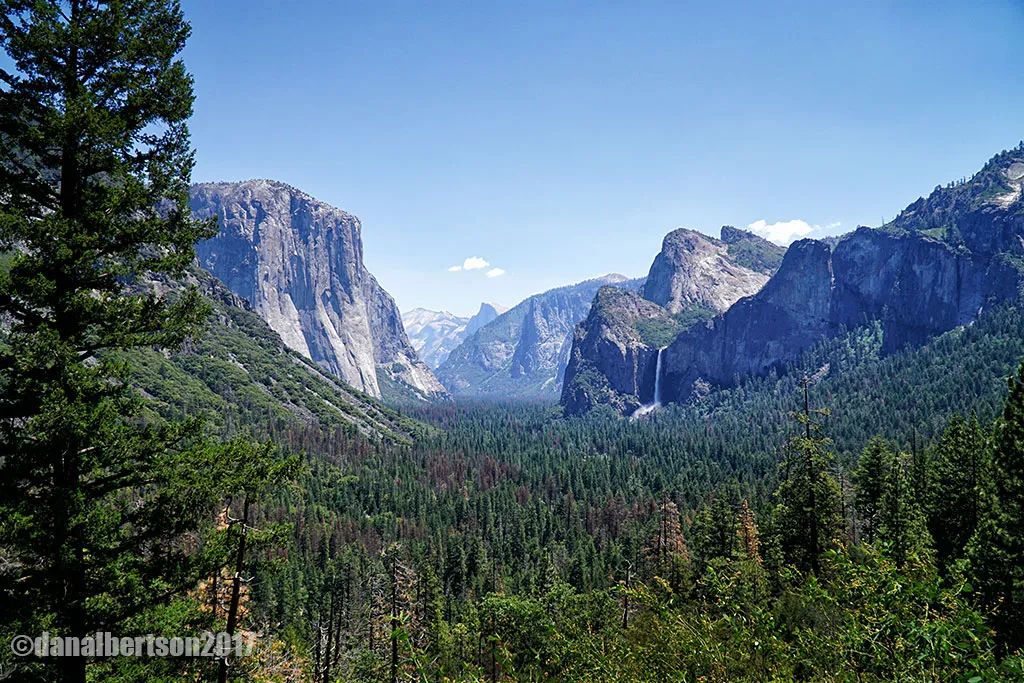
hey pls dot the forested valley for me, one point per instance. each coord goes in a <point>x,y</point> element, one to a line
<point>171,467</point>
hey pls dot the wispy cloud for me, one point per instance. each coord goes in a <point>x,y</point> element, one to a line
<point>454,269</point>
<point>495,272</point>
<point>785,232</point>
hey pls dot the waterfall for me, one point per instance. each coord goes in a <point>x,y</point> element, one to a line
<point>656,403</point>
<point>657,378</point>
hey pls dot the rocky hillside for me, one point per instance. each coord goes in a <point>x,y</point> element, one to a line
<point>240,372</point>
<point>524,351</point>
<point>693,278</point>
<point>435,333</point>
<point>694,271</point>
<point>299,263</point>
<point>946,258</point>
<point>614,352</point>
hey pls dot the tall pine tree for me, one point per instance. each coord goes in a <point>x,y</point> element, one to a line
<point>807,516</point>
<point>902,520</point>
<point>997,549</point>
<point>870,477</point>
<point>96,506</point>
<point>958,473</point>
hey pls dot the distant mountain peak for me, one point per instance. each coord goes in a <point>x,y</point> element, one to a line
<point>694,270</point>
<point>524,351</point>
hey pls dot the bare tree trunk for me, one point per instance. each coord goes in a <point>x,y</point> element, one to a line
<point>236,586</point>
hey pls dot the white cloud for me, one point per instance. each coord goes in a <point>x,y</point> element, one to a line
<point>454,269</point>
<point>785,232</point>
<point>474,263</point>
<point>495,272</point>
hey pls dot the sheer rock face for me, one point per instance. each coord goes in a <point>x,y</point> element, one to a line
<point>694,269</point>
<point>299,264</point>
<point>933,268</point>
<point>609,362</point>
<point>915,286</point>
<point>524,351</point>
<point>693,276</point>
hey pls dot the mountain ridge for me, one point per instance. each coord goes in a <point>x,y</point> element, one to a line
<point>524,351</point>
<point>942,261</point>
<point>435,333</point>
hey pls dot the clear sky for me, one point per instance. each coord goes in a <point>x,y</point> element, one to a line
<point>561,140</point>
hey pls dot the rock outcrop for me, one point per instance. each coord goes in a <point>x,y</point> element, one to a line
<point>614,356</point>
<point>935,267</point>
<point>299,264</point>
<point>435,333</point>
<point>693,278</point>
<point>525,350</point>
<point>694,270</point>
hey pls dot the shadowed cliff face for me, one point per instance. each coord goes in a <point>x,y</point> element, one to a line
<point>611,361</point>
<point>299,263</point>
<point>935,267</point>
<point>915,286</point>
<point>694,276</point>
<point>524,351</point>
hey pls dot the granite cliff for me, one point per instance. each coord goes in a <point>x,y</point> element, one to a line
<point>694,277</point>
<point>694,270</point>
<point>933,268</point>
<point>524,351</point>
<point>299,264</point>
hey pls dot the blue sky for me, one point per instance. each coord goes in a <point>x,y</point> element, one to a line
<point>560,140</point>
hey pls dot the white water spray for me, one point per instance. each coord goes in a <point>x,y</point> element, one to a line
<point>657,378</point>
<point>656,403</point>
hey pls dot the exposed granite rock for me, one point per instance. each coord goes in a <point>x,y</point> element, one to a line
<point>933,268</point>
<point>487,313</point>
<point>435,333</point>
<point>609,361</point>
<point>523,352</point>
<point>917,287</point>
<point>695,270</point>
<point>693,277</point>
<point>299,264</point>
<point>791,312</point>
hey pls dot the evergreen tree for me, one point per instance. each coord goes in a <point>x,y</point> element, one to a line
<point>902,520</point>
<point>958,472</point>
<point>94,175</point>
<point>872,473</point>
<point>997,549</point>
<point>807,514</point>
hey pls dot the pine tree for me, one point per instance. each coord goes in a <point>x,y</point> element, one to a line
<point>807,514</point>
<point>94,174</point>
<point>872,473</point>
<point>958,472</point>
<point>997,548</point>
<point>902,520</point>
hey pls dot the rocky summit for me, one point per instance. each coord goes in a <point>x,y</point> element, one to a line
<point>695,270</point>
<point>935,267</point>
<point>693,277</point>
<point>299,264</point>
